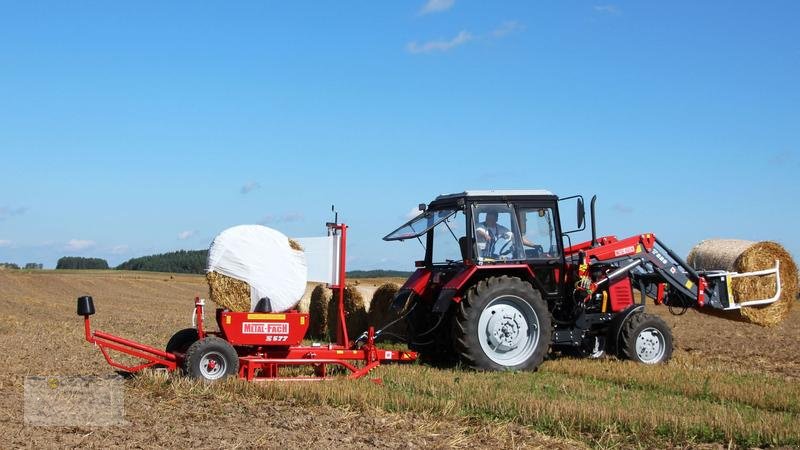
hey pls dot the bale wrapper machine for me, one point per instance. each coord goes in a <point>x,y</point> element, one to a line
<point>256,346</point>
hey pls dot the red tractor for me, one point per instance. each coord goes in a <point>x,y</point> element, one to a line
<point>498,287</point>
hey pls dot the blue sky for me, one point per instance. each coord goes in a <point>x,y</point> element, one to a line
<point>133,128</point>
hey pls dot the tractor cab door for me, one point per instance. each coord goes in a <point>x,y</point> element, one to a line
<point>496,233</point>
<point>539,234</point>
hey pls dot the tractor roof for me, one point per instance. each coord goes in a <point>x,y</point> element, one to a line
<point>499,194</point>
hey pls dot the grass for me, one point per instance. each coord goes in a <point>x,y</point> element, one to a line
<point>603,402</point>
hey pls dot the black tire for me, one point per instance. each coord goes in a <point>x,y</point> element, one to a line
<point>646,338</point>
<point>211,359</point>
<point>180,341</point>
<point>502,295</point>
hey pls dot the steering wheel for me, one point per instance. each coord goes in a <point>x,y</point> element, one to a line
<point>503,251</point>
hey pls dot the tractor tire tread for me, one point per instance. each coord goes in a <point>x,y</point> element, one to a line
<point>468,346</point>
<point>181,341</point>
<point>196,350</point>
<point>635,323</point>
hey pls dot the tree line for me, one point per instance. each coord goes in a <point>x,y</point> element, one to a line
<point>79,262</point>
<point>182,261</point>
<point>15,266</point>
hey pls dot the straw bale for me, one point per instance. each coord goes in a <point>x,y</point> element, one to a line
<point>318,312</point>
<point>748,256</point>
<point>355,313</point>
<point>381,312</point>
<point>229,293</point>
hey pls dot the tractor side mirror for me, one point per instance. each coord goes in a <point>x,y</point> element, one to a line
<point>564,205</point>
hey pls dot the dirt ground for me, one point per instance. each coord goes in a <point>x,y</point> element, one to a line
<point>739,344</point>
<point>41,334</point>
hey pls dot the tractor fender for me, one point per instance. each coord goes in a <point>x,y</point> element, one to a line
<point>617,323</point>
<point>413,287</point>
<point>453,290</point>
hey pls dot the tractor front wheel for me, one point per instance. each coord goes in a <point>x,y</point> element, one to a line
<point>646,339</point>
<point>211,359</point>
<point>502,324</point>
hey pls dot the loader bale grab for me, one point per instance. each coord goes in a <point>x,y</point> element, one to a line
<point>735,255</point>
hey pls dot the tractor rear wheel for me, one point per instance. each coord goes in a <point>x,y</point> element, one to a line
<point>211,359</point>
<point>502,324</point>
<point>646,339</point>
<point>180,341</point>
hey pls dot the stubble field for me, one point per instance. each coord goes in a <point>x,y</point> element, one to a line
<point>728,383</point>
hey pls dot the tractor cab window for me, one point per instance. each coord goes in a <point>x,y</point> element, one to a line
<point>448,237</point>
<point>420,225</point>
<point>496,233</point>
<point>538,233</point>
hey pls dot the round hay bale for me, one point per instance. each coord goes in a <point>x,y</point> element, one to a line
<point>748,256</point>
<point>381,312</point>
<point>318,312</point>
<point>354,310</point>
<point>305,300</point>
<point>228,292</point>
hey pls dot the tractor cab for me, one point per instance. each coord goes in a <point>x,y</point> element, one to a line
<point>483,229</point>
<point>486,227</point>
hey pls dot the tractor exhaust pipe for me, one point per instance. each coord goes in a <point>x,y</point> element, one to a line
<point>594,221</point>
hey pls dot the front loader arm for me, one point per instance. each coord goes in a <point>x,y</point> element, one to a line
<point>648,261</point>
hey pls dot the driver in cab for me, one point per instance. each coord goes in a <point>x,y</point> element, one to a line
<point>488,232</point>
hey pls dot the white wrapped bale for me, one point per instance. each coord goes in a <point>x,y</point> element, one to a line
<point>257,259</point>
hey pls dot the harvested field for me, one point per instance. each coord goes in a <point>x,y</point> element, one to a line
<point>728,383</point>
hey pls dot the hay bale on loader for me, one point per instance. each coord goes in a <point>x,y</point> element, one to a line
<point>748,256</point>
<point>354,310</point>
<point>381,312</point>
<point>318,312</point>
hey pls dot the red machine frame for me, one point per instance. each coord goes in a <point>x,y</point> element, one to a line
<point>265,342</point>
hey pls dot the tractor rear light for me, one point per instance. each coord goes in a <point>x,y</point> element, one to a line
<point>419,264</point>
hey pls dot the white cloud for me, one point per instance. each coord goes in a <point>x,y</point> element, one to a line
<point>183,235</point>
<point>413,213</point>
<point>283,218</point>
<point>77,245</point>
<point>7,211</point>
<point>439,45</point>
<point>607,9</point>
<point>249,187</point>
<point>506,28</point>
<point>119,249</point>
<point>5,243</point>
<point>436,6</point>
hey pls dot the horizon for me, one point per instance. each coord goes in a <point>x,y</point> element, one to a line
<point>135,129</point>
